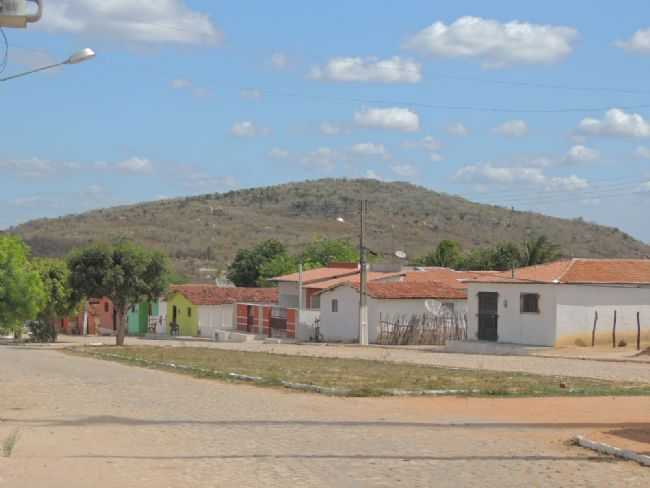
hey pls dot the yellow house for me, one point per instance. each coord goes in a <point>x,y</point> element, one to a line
<point>201,309</point>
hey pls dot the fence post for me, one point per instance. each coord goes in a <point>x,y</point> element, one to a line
<point>593,332</point>
<point>638,331</point>
<point>614,332</point>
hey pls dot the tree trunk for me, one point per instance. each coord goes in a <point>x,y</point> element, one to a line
<point>121,329</point>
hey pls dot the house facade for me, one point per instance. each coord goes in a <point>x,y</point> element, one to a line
<point>139,315</point>
<point>339,314</point>
<point>199,310</point>
<point>559,303</point>
<point>99,316</point>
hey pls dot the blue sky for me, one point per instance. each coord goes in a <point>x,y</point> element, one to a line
<point>537,105</point>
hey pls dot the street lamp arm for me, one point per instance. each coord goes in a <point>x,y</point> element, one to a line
<point>25,73</point>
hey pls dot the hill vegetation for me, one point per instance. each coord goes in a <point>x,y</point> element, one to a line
<point>207,230</point>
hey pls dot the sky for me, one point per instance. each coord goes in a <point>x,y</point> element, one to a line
<point>541,106</point>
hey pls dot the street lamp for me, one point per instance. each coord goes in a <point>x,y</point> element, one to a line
<point>76,58</point>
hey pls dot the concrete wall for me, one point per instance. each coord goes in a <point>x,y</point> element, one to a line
<point>288,294</point>
<point>577,304</point>
<point>305,327</point>
<point>213,317</point>
<point>513,326</point>
<point>344,324</point>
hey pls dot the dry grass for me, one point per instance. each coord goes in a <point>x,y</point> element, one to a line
<point>9,444</point>
<point>355,377</point>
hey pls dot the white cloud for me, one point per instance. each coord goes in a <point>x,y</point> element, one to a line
<point>436,157</point>
<point>323,158</point>
<point>393,118</point>
<point>278,153</point>
<point>188,85</point>
<point>497,44</point>
<point>512,128</point>
<point>639,42</point>
<point>642,152</point>
<point>370,149</point>
<point>199,180</point>
<point>153,21</point>
<point>329,129</point>
<point>135,165</point>
<point>247,128</point>
<point>251,94</point>
<point>371,69</point>
<point>457,129</point>
<point>616,123</point>
<point>278,61</point>
<point>645,187</point>
<point>580,153</point>
<point>371,175</point>
<point>29,168</point>
<point>404,170</point>
<point>486,174</point>
<point>428,143</point>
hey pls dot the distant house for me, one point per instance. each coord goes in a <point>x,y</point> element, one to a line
<point>139,315</point>
<point>201,309</point>
<point>101,319</point>
<point>316,280</point>
<point>556,303</point>
<point>339,314</point>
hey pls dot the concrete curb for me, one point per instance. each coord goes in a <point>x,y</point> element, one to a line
<point>603,448</point>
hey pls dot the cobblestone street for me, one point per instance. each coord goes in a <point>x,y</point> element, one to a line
<point>83,422</point>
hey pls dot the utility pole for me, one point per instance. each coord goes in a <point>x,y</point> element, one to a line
<point>300,292</point>
<point>363,270</point>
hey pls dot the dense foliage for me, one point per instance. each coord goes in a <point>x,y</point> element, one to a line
<point>22,295</point>
<point>502,256</point>
<point>124,272</point>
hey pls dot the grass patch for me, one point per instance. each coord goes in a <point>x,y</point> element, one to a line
<point>354,377</point>
<point>9,444</point>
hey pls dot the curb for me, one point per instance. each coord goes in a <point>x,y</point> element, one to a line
<point>603,448</point>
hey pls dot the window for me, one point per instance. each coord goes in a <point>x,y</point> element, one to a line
<point>106,307</point>
<point>189,311</point>
<point>335,305</point>
<point>315,302</point>
<point>529,303</point>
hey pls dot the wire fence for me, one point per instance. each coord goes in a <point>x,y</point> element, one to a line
<point>422,329</point>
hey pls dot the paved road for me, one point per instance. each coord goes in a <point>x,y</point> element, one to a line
<point>83,422</point>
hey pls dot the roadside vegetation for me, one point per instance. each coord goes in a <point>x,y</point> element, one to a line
<point>354,377</point>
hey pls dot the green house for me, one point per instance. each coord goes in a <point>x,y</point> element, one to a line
<point>182,311</point>
<point>138,317</point>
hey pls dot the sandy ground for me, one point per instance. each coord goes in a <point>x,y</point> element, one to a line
<point>83,422</point>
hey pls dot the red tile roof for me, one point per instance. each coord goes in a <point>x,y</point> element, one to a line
<point>402,290</point>
<point>201,294</point>
<point>318,274</point>
<point>446,276</point>
<point>578,271</point>
<point>372,276</point>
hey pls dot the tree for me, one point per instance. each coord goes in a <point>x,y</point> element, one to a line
<point>245,268</point>
<point>124,272</point>
<point>21,289</point>
<point>448,254</point>
<point>280,265</point>
<point>59,301</point>
<point>322,252</point>
<point>539,250</point>
<point>506,255</point>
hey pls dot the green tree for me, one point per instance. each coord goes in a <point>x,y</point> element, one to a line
<point>245,268</point>
<point>21,290</point>
<point>280,265</point>
<point>448,254</point>
<point>539,250</point>
<point>322,252</point>
<point>125,273</point>
<point>59,301</point>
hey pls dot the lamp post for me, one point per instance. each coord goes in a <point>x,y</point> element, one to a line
<point>363,271</point>
<point>76,58</point>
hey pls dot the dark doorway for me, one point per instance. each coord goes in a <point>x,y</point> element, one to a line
<point>250,318</point>
<point>174,314</point>
<point>488,306</point>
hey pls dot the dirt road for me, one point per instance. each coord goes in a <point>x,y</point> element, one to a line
<point>83,422</point>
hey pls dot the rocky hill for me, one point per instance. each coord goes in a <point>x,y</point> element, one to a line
<point>206,230</point>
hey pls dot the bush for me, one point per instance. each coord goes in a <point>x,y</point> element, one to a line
<point>42,331</point>
<point>622,343</point>
<point>580,343</point>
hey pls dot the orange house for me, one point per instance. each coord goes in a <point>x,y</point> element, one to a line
<point>102,319</point>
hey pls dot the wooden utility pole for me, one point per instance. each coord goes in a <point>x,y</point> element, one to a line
<point>363,277</point>
<point>593,331</point>
<point>638,331</point>
<point>614,331</point>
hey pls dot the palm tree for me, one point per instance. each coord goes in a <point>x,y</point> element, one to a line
<point>539,250</point>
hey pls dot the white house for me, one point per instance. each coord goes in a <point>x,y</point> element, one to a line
<point>556,303</point>
<point>339,313</point>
